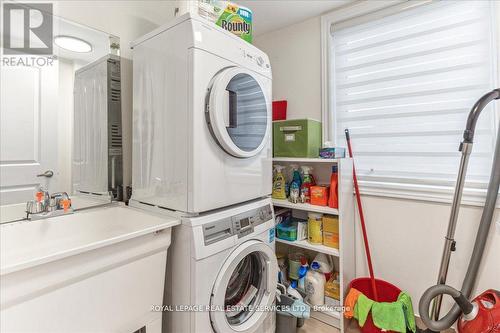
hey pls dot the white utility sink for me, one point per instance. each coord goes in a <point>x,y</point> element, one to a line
<point>98,270</point>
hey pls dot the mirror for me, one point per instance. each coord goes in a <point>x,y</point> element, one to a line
<point>60,126</point>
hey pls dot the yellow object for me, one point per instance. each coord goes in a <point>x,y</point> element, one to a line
<point>331,223</point>
<point>331,239</point>
<point>331,231</point>
<point>332,287</point>
<point>279,184</point>
<point>314,228</point>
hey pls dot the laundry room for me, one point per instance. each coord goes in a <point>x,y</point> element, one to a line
<point>212,166</point>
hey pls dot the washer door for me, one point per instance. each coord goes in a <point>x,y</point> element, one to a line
<point>237,112</point>
<point>244,289</point>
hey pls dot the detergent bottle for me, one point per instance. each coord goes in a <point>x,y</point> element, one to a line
<point>292,290</point>
<point>307,182</point>
<point>279,184</point>
<point>302,273</point>
<point>315,228</point>
<point>325,264</point>
<point>295,185</point>
<point>333,199</point>
<point>315,285</point>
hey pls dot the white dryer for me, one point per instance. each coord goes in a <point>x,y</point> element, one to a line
<point>202,118</point>
<point>222,272</point>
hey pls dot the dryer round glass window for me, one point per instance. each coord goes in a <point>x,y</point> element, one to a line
<point>247,112</point>
<point>238,112</point>
<point>244,290</point>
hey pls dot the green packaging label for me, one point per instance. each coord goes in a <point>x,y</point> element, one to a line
<point>229,16</point>
<point>238,21</point>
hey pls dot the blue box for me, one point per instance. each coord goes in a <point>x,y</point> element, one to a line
<point>332,152</point>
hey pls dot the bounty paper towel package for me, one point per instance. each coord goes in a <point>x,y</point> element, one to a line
<point>228,16</point>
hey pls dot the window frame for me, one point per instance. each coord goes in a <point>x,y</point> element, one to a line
<point>359,13</point>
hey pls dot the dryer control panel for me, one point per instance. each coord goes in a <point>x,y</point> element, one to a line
<point>254,58</point>
<point>241,225</point>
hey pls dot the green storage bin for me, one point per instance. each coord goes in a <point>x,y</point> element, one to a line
<point>296,138</point>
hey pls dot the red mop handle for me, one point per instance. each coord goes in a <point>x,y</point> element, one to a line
<point>362,218</point>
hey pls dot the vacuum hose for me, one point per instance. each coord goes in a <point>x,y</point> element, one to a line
<point>461,297</point>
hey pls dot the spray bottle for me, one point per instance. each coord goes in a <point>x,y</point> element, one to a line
<point>279,184</point>
<point>305,188</point>
<point>295,185</point>
<point>304,267</point>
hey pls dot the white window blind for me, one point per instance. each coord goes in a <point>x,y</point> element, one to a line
<point>404,84</point>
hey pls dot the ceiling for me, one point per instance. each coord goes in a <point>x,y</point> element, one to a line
<point>270,15</point>
<point>99,40</point>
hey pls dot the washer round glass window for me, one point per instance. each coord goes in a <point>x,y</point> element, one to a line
<point>244,289</point>
<point>247,112</point>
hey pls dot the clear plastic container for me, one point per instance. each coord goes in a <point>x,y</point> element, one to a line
<point>294,265</point>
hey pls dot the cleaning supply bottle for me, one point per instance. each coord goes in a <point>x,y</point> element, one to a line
<point>333,200</point>
<point>315,285</point>
<point>279,184</point>
<point>325,264</point>
<point>315,228</point>
<point>304,267</point>
<point>307,182</point>
<point>292,290</point>
<point>295,185</point>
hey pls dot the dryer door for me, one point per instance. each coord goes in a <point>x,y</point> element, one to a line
<point>237,111</point>
<point>245,288</point>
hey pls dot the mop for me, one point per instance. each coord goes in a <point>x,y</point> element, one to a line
<point>376,304</point>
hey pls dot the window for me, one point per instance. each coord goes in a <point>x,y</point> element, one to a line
<point>403,82</point>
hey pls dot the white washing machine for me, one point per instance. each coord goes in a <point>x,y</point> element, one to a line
<point>202,118</point>
<point>222,272</point>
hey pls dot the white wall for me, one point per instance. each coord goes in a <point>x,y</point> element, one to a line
<point>294,53</point>
<point>406,236</point>
<point>65,124</point>
<point>128,20</point>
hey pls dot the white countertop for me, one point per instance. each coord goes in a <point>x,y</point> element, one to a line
<point>30,243</point>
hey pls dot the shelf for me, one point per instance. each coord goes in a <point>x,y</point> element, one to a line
<point>305,206</point>
<point>304,160</point>
<point>331,313</point>
<point>306,245</point>
<point>331,318</point>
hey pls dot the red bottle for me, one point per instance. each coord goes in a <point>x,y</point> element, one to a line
<point>333,200</point>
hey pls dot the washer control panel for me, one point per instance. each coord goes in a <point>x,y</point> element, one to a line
<point>243,224</point>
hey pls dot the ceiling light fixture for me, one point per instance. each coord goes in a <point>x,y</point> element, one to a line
<point>73,44</point>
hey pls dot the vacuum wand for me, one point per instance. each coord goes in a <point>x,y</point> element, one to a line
<point>436,292</point>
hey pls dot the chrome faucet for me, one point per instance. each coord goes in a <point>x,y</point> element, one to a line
<point>47,205</point>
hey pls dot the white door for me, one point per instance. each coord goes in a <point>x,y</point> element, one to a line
<point>237,112</point>
<point>245,288</point>
<point>28,131</point>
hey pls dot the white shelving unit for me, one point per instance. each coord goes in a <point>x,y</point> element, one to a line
<point>306,245</point>
<point>306,207</point>
<point>345,212</point>
<point>304,160</point>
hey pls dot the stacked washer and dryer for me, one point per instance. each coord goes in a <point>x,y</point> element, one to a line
<point>202,151</point>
